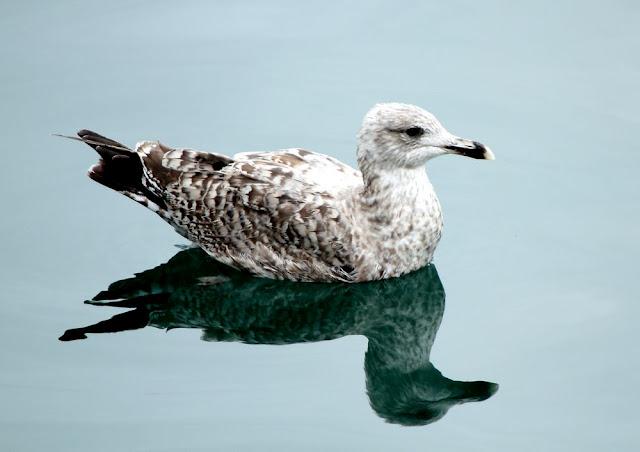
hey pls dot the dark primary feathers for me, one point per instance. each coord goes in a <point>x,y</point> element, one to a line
<point>125,171</point>
<point>119,168</point>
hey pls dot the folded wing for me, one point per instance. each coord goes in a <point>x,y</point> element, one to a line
<point>276,214</point>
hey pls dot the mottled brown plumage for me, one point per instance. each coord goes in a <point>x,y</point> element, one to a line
<point>255,207</point>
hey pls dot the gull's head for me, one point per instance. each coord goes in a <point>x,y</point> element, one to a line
<point>400,135</point>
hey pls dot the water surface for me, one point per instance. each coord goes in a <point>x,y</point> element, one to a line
<point>538,258</point>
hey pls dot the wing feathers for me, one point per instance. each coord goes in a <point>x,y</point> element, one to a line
<point>269,213</point>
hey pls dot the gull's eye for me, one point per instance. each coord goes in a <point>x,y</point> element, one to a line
<point>414,131</point>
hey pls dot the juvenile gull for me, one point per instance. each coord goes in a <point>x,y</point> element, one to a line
<point>296,214</point>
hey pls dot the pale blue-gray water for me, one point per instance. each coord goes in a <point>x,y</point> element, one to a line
<point>538,258</point>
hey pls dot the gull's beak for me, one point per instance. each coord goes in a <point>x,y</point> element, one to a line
<point>469,148</point>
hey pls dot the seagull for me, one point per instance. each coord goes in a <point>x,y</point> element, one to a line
<point>295,214</point>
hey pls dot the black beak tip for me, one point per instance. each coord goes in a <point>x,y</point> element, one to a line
<point>478,151</point>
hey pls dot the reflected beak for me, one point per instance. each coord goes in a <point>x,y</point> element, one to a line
<point>469,148</point>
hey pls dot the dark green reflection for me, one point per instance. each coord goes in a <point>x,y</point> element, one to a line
<point>400,318</point>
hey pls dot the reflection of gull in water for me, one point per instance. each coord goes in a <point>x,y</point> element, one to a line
<point>295,214</point>
<point>400,318</point>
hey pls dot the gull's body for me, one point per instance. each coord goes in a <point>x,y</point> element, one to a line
<point>295,214</point>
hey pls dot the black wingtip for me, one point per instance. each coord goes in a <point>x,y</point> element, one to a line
<point>72,335</point>
<point>84,132</point>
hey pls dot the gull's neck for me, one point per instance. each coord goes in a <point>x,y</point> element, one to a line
<point>391,194</point>
<point>384,182</point>
<point>380,182</point>
<point>401,218</point>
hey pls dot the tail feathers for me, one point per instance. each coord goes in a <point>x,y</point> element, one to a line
<point>120,169</point>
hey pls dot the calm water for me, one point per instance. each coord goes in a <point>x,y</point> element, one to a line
<point>538,260</point>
